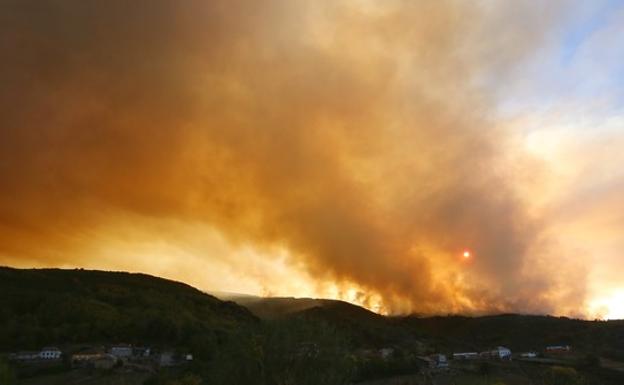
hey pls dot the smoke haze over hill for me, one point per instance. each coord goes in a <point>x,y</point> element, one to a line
<point>349,149</point>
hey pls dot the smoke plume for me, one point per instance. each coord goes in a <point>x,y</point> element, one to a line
<point>360,137</point>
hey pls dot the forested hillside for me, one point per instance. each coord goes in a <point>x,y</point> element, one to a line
<point>520,332</point>
<point>288,340</point>
<point>449,333</point>
<point>51,306</point>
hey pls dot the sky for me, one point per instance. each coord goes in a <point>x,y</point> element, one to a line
<point>341,149</point>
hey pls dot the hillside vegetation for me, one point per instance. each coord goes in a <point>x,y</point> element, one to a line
<point>519,332</point>
<point>449,333</point>
<point>277,340</point>
<point>51,306</point>
<point>230,346</point>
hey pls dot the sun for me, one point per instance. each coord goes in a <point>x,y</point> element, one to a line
<point>467,254</point>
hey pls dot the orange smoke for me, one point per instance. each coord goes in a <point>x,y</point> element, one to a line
<point>357,137</point>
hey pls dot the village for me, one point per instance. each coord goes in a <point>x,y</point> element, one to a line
<point>125,357</point>
<point>440,361</point>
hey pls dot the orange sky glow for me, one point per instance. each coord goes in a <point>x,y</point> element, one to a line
<point>393,154</point>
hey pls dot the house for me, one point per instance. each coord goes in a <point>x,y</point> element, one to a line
<point>166,359</point>
<point>434,361</point>
<point>121,351</point>
<point>50,353</point>
<point>141,352</point>
<point>558,349</point>
<point>439,361</point>
<point>466,356</point>
<point>45,354</point>
<point>386,353</point>
<point>501,352</point>
<point>86,356</point>
<point>93,358</point>
<point>24,356</point>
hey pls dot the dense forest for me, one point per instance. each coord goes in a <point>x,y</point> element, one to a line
<point>230,345</point>
<point>521,332</point>
<point>50,306</point>
<point>448,333</point>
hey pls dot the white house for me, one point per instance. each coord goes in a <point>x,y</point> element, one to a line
<point>24,356</point>
<point>50,353</point>
<point>386,353</point>
<point>121,351</point>
<point>501,353</point>
<point>141,352</point>
<point>439,361</point>
<point>466,356</point>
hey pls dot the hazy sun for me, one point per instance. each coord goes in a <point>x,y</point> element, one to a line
<point>466,254</point>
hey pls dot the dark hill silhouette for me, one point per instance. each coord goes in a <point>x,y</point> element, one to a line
<point>279,307</point>
<point>365,327</point>
<point>269,308</point>
<point>520,332</point>
<point>52,306</point>
<point>448,333</point>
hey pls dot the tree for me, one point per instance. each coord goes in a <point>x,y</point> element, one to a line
<point>7,377</point>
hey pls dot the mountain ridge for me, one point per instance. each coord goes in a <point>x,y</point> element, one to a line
<point>47,306</point>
